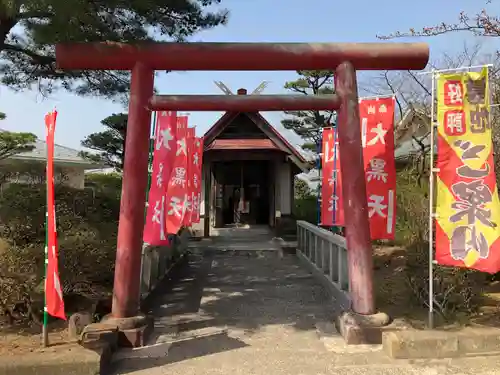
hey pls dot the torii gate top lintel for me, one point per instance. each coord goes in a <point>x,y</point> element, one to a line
<point>241,56</point>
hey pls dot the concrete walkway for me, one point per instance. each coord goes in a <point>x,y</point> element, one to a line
<point>253,313</point>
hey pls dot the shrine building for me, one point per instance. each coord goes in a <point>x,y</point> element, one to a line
<point>248,174</point>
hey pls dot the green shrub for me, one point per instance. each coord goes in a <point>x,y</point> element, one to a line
<point>455,289</point>
<point>110,183</point>
<point>306,208</point>
<point>305,202</point>
<point>87,226</point>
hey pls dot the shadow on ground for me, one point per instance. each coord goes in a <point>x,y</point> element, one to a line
<point>220,302</point>
<point>161,354</point>
<point>247,291</point>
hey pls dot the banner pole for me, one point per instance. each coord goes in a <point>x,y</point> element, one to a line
<point>319,150</point>
<point>431,206</point>
<point>451,70</point>
<point>152,141</point>
<point>334,177</point>
<point>377,97</point>
<point>45,331</point>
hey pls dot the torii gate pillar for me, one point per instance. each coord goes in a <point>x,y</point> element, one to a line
<point>362,324</point>
<point>126,290</point>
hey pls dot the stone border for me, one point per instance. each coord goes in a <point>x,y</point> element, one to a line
<point>414,344</point>
<point>110,333</point>
<point>156,260</point>
<point>147,302</point>
<point>60,360</point>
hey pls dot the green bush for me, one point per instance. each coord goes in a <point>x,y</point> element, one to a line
<point>306,208</point>
<point>87,224</point>
<point>305,202</point>
<point>455,289</point>
<point>110,183</point>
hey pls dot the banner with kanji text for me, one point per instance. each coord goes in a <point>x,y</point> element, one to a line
<point>177,191</point>
<point>467,205</point>
<point>163,160</point>
<point>54,301</point>
<point>190,135</point>
<point>197,163</point>
<point>377,137</point>
<point>332,212</point>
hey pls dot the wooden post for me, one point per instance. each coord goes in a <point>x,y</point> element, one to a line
<point>360,259</point>
<point>135,176</point>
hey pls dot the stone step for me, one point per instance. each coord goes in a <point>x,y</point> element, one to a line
<point>335,343</point>
<point>170,337</point>
<point>184,321</point>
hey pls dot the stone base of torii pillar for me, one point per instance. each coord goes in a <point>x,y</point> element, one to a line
<point>359,329</point>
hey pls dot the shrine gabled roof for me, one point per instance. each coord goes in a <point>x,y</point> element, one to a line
<point>274,135</point>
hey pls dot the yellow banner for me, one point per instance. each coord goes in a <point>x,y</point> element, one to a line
<point>467,205</point>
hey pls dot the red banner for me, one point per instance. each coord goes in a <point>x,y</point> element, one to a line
<point>377,135</point>
<point>54,301</point>
<point>163,158</point>
<point>167,121</point>
<point>177,186</point>
<point>331,202</point>
<point>189,172</point>
<point>197,163</point>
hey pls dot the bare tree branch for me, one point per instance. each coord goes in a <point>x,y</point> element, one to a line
<point>480,24</point>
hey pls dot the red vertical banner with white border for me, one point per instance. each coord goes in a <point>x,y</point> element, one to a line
<point>331,196</point>
<point>197,162</point>
<point>163,160</point>
<point>176,196</point>
<point>377,138</point>
<point>190,135</point>
<point>54,302</point>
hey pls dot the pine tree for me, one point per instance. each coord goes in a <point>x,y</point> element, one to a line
<point>309,124</point>
<point>110,144</point>
<point>29,29</point>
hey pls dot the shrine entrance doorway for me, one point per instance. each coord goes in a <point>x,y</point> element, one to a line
<point>243,193</point>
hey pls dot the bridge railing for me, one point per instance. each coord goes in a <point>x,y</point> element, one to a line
<point>325,255</point>
<point>157,260</point>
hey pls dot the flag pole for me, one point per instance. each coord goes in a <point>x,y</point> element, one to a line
<point>319,149</point>
<point>152,140</point>
<point>453,70</point>
<point>45,330</point>
<point>334,177</point>
<point>150,164</point>
<point>431,206</point>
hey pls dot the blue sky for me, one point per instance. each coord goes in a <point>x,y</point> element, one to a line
<point>251,21</point>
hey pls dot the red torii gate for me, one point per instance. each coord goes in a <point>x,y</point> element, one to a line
<point>144,59</point>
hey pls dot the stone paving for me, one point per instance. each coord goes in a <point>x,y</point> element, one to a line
<point>257,313</point>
